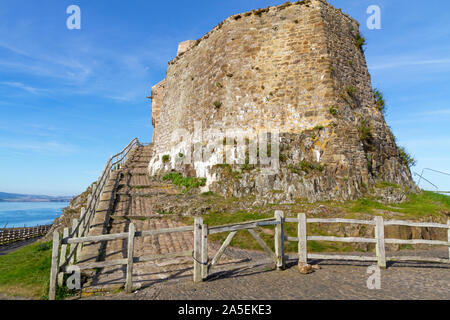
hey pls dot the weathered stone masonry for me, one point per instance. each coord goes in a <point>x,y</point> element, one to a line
<point>296,68</point>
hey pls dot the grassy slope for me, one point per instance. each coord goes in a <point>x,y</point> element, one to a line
<point>26,272</point>
<point>427,204</point>
<point>419,205</point>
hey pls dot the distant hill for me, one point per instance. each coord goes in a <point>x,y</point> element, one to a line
<point>14,197</point>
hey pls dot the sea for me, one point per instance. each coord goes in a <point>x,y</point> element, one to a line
<point>29,214</point>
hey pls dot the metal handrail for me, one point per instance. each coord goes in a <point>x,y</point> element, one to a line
<point>429,169</point>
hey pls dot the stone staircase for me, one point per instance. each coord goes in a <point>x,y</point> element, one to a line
<point>129,197</point>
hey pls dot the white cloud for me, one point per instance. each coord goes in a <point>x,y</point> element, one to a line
<point>52,147</point>
<point>20,85</point>
<point>400,63</point>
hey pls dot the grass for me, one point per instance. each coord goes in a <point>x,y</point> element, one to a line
<point>333,111</point>
<point>26,272</point>
<point>365,133</point>
<point>385,184</point>
<point>424,204</point>
<point>186,184</point>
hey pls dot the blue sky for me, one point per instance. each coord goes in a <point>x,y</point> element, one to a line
<point>69,99</point>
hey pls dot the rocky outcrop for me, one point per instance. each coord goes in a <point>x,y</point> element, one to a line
<point>71,212</point>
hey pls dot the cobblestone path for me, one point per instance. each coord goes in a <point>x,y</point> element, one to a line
<point>335,280</point>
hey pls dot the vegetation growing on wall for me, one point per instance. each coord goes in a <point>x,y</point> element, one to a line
<point>406,157</point>
<point>186,184</point>
<point>381,104</point>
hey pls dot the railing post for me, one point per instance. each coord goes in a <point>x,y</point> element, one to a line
<point>198,222</point>
<point>130,253</point>
<point>279,239</point>
<point>205,233</point>
<point>54,268</point>
<point>83,218</point>
<point>80,234</point>
<point>302,240</point>
<point>448,231</point>
<point>73,246</point>
<point>63,257</point>
<point>380,245</point>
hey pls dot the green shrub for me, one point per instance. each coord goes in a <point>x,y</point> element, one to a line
<point>306,166</point>
<point>381,104</point>
<point>217,104</point>
<point>333,111</point>
<point>360,41</point>
<point>351,90</point>
<point>365,133</point>
<point>165,158</point>
<point>186,184</point>
<point>406,157</point>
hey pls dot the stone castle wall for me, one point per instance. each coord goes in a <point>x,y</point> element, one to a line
<point>295,68</point>
<point>259,68</point>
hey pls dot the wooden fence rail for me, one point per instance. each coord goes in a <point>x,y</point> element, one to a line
<point>10,235</point>
<point>380,241</point>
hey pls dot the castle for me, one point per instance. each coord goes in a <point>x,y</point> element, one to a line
<point>297,69</point>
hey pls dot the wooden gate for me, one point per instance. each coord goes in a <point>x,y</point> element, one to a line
<point>204,266</point>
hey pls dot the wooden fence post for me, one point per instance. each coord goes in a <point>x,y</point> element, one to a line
<point>198,222</point>
<point>130,253</point>
<point>279,239</point>
<point>83,218</point>
<point>73,245</point>
<point>54,267</point>
<point>80,234</point>
<point>63,257</point>
<point>448,230</point>
<point>380,245</point>
<point>302,240</point>
<point>205,233</point>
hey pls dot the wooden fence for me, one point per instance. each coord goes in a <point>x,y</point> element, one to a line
<point>80,227</point>
<point>63,257</point>
<point>204,266</point>
<point>10,235</point>
<point>380,241</point>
